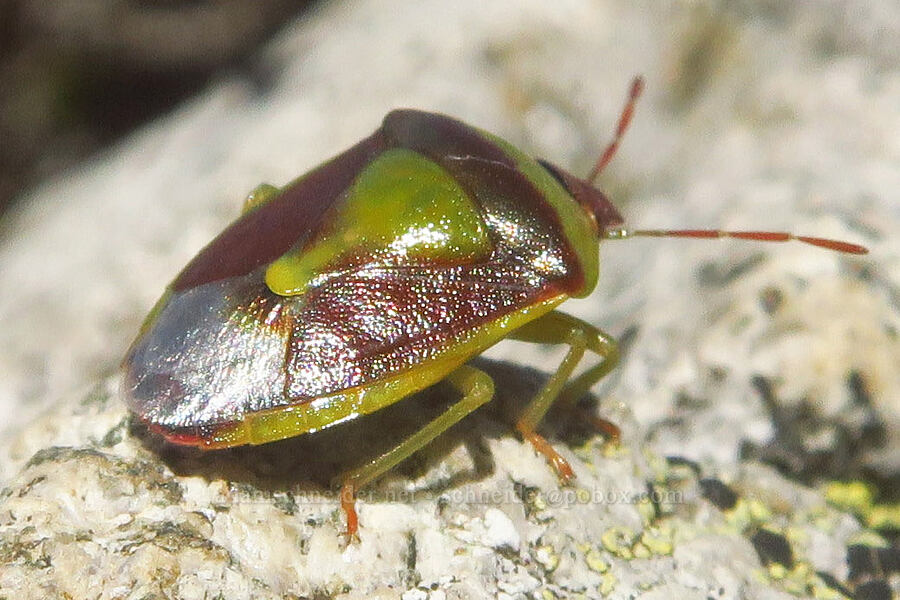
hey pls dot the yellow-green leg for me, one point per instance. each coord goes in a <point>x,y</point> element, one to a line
<point>475,386</point>
<point>560,328</point>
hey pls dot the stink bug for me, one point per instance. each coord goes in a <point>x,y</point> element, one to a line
<point>376,275</point>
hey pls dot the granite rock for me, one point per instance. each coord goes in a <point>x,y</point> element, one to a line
<point>772,370</point>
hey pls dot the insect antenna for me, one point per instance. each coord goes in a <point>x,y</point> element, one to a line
<point>637,86</point>
<point>757,236</point>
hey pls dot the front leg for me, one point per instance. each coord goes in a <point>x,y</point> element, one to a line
<point>559,328</point>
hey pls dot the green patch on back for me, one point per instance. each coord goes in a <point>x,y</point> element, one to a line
<point>402,207</point>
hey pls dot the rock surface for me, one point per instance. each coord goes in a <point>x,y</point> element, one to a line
<point>772,116</point>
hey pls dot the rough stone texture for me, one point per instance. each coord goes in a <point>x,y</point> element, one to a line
<point>758,115</point>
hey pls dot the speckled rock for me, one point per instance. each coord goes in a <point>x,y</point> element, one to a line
<point>753,376</point>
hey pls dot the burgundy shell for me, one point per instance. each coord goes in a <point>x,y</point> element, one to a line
<point>222,345</point>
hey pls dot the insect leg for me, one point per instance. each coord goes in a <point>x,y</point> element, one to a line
<point>475,386</point>
<point>560,328</point>
<point>606,347</point>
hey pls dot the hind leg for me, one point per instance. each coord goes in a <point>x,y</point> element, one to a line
<point>475,385</point>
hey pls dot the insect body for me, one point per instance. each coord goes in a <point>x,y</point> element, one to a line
<point>375,275</point>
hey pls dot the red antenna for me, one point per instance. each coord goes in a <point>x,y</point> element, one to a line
<point>757,236</point>
<point>637,86</point>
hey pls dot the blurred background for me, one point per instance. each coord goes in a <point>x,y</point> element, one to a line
<point>77,74</point>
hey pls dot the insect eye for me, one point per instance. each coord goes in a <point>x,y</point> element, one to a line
<point>556,173</point>
<point>592,200</point>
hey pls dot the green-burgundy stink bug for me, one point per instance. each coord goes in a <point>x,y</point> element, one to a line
<point>376,275</point>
